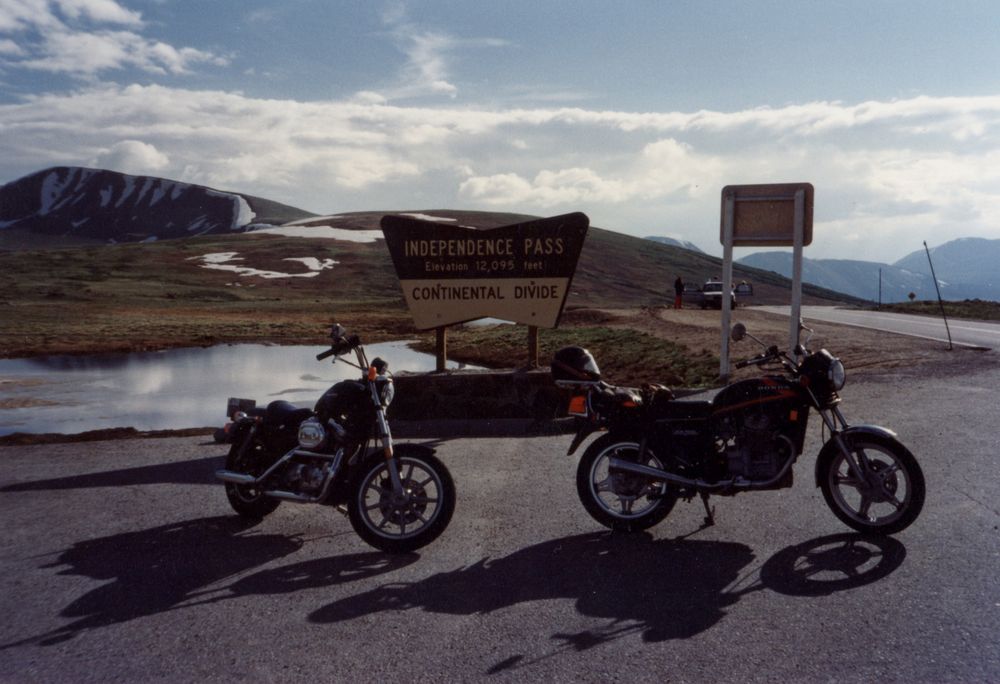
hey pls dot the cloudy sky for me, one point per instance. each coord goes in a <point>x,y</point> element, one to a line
<point>635,112</point>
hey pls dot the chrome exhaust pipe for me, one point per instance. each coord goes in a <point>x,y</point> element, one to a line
<point>291,496</point>
<point>235,478</point>
<point>657,474</point>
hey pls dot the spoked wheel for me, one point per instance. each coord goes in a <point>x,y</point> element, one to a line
<point>248,500</point>
<point>408,521</point>
<point>888,495</point>
<point>618,499</point>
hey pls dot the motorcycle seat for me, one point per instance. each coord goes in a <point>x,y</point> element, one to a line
<point>281,412</point>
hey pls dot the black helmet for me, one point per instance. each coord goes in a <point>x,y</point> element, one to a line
<point>574,363</point>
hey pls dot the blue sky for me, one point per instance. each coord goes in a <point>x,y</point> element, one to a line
<point>637,113</point>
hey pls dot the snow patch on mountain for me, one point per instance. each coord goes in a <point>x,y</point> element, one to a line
<point>221,261</point>
<point>321,233</point>
<point>428,217</point>
<point>244,214</point>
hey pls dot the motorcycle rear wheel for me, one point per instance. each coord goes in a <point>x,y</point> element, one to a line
<point>611,498</point>
<point>407,524</point>
<point>247,500</point>
<point>891,498</point>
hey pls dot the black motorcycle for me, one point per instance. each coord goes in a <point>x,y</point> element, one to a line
<point>658,448</point>
<point>398,498</point>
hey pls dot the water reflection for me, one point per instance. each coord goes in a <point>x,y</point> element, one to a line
<point>172,389</point>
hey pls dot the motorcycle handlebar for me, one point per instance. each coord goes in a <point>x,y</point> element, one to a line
<point>770,354</point>
<point>341,345</point>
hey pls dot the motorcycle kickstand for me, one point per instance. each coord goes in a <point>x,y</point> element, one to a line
<point>709,512</point>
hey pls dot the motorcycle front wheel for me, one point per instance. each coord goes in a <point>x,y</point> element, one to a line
<point>890,495</point>
<point>620,500</point>
<point>248,500</point>
<point>406,522</point>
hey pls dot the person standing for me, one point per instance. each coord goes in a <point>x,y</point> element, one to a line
<point>678,293</point>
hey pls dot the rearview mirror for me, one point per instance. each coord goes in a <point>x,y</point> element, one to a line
<point>739,332</point>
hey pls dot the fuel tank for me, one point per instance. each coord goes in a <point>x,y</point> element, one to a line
<point>762,407</point>
<point>345,398</point>
<point>758,394</point>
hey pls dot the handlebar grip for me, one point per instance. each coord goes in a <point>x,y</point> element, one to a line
<point>326,354</point>
<point>742,364</point>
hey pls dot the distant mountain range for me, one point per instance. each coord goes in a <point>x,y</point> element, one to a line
<point>69,205</point>
<point>967,268</point>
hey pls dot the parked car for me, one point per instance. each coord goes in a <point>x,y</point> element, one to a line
<point>711,295</point>
<point>692,295</point>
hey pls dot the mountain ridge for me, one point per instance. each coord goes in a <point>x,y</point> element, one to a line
<point>81,207</point>
<point>966,268</point>
<point>73,205</point>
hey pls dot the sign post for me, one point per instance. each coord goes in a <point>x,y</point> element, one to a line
<point>453,274</point>
<point>775,215</point>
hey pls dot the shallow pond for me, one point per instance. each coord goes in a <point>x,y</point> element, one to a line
<point>173,389</point>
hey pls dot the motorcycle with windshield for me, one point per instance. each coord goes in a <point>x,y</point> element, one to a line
<point>657,448</point>
<point>398,497</point>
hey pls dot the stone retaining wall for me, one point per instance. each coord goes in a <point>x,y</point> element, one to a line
<point>476,395</point>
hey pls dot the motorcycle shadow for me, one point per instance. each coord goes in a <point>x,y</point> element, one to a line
<point>838,562</point>
<point>157,569</point>
<point>662,589</point>
<point>193,471</point>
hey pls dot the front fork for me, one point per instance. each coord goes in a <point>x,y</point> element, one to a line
<point>837,424</point>
<point>385,436</point>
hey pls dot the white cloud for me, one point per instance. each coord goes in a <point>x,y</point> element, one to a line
<point>88,53</point>
<point>660,168</point>
<point>427,67</point>
<point>22,15</point>
<point>132,156</point>
<point>84,38</point>
<point>100,11</point>
<point>885,172</point>
<point>10,48</point>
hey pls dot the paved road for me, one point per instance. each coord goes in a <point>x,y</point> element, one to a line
<point>966,333</point>
<point>121,561</point>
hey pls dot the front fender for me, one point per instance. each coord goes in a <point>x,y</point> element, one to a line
<point>240,429</point>
<point>410,449</point>
<point>583,433</point>
<point>830,449</point>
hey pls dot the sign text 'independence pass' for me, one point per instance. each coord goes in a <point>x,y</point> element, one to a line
<point>451,274</point>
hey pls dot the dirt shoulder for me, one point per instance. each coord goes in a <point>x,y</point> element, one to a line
<point>864,352</point>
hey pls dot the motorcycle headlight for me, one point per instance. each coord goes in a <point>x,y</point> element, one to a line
<point>312,435</point>
<point>836,374</point>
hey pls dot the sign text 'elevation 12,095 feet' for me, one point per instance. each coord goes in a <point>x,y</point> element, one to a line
<point>451,274</point>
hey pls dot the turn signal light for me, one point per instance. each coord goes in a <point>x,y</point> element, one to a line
<point>578,405</point>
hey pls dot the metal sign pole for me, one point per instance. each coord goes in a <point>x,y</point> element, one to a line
<point>441,349</point>
<point>800,209</point>
<point>727,279</point>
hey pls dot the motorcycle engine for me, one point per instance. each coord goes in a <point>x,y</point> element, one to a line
<point>305,477</point>
<point>758,451</point>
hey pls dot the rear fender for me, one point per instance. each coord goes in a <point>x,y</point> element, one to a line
<point>830,449</point>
